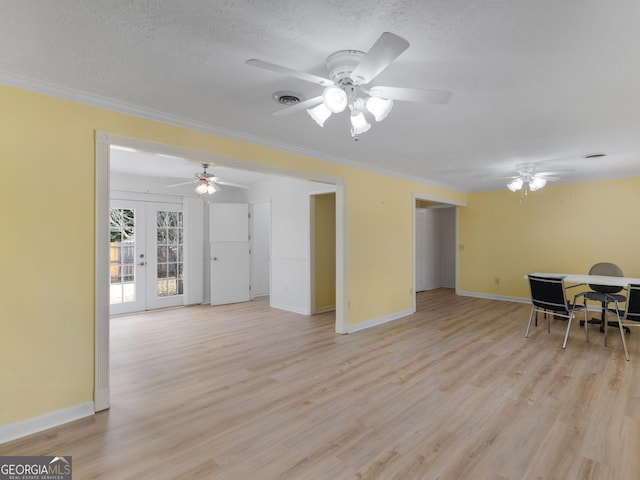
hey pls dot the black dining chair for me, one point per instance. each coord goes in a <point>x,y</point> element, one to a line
<point>630,314</point>
<point>548,296</point>
<point>605,294</point>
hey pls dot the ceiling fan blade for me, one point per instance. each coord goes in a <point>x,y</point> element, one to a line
<point>312,102</point>
<point>386,49</point>
<point>307,77</point>
<point>180,184</point>
<point>411,94</point>
<point>229,184</point>
<point>556,172</point>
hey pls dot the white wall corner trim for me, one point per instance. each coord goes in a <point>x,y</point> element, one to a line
<point>379,321</point>
<point>30,426</point>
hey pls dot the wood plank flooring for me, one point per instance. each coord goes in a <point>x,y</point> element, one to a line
<point>453,392</point>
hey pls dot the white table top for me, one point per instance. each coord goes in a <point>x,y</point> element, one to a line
<point>593,279</point>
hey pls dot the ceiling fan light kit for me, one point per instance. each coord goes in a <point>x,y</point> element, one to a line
<point>379,107</point>
<point>319,113</point>
<point>207,182</point>
<point>205,187</point>
<point>335,99</point>
<point>349,72</point>
<point>527,180</point>
<point>359,123</point>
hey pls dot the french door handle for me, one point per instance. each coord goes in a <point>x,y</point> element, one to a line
<point>142,264</point>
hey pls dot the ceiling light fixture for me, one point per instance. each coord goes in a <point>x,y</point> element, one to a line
<point>319,113</point>
<point>336,98</point>
<point>526,180</point>
<point>379,107</point>
<point>205,187</point>
<point>351,73</point>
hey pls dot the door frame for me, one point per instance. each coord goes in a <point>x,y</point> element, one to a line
<point>437,201</point>
<point>103,142</point>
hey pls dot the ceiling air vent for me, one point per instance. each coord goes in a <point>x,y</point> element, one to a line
<point>287,98</point>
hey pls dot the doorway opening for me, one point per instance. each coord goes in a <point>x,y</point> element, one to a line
<point>435,256</point>
<point>102,205</point>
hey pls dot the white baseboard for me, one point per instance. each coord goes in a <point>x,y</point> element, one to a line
<point>23,428</point>
<point>504,298</point>
<point>289,308</point>
<point>379,321</point>
<point>488,296</point>
<point>331,308</point>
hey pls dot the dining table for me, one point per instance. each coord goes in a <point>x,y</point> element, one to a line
<point>578,279</point>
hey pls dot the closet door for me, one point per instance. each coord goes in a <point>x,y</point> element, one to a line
<point>230,264</point>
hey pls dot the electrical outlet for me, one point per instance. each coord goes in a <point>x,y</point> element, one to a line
<point>497,280</point>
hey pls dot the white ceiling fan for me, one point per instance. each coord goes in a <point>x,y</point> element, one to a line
<point>207,182</point>
<point>528,179</point>
<point>349,85</point>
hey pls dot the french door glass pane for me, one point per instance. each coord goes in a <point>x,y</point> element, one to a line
<point>122,255</point>
<point>169,249</point>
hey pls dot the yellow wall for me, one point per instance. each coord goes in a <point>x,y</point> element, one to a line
<point>562,228</point>
<point>325,250</point>
<point>47,158</point>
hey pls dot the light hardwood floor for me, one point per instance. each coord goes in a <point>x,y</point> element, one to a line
<point>452,392</point>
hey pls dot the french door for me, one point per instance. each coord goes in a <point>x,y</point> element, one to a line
<point>146,255</point>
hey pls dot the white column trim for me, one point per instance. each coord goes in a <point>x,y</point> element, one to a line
<point>101,392</point>
<point>193,211</point>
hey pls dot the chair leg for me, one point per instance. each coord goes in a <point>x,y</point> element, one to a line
<point>533,310</point>
<point>624,342</point>
<point>621,327</point>
<point>566,335</point>
<point>606,325</point>
<point>586,322</point>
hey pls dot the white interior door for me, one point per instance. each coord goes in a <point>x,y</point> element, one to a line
<point>127,254</point>
<point>230,265</point>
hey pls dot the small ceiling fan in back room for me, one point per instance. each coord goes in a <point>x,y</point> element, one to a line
<point>207,182</point>
<point>351,73</point>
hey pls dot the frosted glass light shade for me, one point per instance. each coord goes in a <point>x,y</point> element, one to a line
<point>515,184</point>
<point>379,107</point>
<point>201,188</point>
<point>537,183</point>
<point>206,187</point>
<point>335,99</point>
<point>359,124</point>
<point>319,113</point>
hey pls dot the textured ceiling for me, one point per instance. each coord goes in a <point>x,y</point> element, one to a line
<point>533,81</point>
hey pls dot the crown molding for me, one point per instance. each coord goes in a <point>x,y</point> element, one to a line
<point>59,91</point>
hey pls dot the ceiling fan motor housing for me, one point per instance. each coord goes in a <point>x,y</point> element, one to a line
<point>340,64</point>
